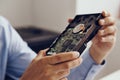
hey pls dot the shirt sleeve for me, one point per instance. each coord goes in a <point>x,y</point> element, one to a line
<point>19,54</point>
<point>87,70</point>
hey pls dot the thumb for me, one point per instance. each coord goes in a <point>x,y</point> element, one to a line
<point>42,53</point>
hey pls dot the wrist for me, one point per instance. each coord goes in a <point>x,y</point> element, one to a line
<point>98,56</point>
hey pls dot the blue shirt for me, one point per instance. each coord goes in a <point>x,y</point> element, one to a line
<point>15,57</point>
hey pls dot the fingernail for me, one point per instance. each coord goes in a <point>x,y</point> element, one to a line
<point>103,40</point>
<point>102,22</point>
<point>77,54</point>
<point>101,32</point>
<point>105,12</point>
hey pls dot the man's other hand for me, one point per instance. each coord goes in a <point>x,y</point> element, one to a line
<point>104,41</point>
<point>55,67</point>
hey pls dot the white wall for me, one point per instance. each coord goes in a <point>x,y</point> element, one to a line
<point>53,14</point>
<point>88,6</point>
<point>18,12</point>
<point>47,14</point>
<point>95,6</point>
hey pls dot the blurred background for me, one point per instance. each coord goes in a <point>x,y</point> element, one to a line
<point>39,22</point>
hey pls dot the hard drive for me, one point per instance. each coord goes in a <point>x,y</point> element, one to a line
<point>77,34</point>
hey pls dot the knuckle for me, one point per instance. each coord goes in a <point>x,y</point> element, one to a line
<point>67,72</point>
<point>57,58</point>
<point>79,61</point>
<point>47,73</point>
<point>109,20</point>
<point>42,61</point>
<point>110,29</point>
<point>110,40</point>
<point>67,66</point>
<point>112,20</point>
<point>76,62</point>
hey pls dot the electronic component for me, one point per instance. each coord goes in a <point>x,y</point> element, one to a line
<point>78,33</point>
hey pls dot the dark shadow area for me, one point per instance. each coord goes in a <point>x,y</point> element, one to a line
<point>37,39</point>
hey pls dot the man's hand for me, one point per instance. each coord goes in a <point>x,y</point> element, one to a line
<point>55,67</point>
<point>104,41</point>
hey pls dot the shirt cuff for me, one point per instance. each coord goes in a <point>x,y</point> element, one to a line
<point>91,68</point>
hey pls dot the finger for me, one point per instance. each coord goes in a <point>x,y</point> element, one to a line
<point>64,79</point>
<point>62,75</point>
<point>63,57</point>
<point>40,55</point>
<point>108,39</point>
<point>105,14</point>
<point>65,72</point>
<point>107,31</point>
<point>107,21</point>
<point>70,20</point>
<point>43,52</point>
<point>68,65</point>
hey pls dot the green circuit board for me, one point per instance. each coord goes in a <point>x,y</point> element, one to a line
<point>67,42</point>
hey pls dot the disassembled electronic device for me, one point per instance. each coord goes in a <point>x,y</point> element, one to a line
<point>77,34</point>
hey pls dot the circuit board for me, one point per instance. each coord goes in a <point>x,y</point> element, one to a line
<point>77,34</point>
